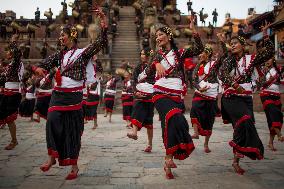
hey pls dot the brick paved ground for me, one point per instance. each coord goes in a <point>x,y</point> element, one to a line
<point>110,160</point>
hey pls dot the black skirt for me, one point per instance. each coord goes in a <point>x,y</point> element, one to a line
<point>142,114</point>
<point>26,108</point>
<point>246,141</point>
<point>203,113</point>
<point>127,106</point>
<point>64,127</point>
<point>9,106</point>
<point>272,108</point>
<point>91,106</point>
<point>109,102</point>
<point>225,117</point>
<point>175,129</point>
<point>41,107</point>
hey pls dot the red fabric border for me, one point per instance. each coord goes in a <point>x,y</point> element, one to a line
<point>127,118</point>
<point>91,103</point>
<point>267,102</point>
<point>187,147</point>
<point>52,153</point>
<point>9,119</point>
<point>67,162</point>
<point>168,90</point>
<point>108,110</point>
<point>110,99</point>
<point>170,114</point>
<point>246,149</point>
<point>42,94</point>
<point>277,125</point>
<point>68,90</point>
<point>90,118</point>
<point>242,119</point>
<point>201,131</point>
<point>40,115</point>
<point>159,96</point>
<point>268,93</point>
<point>127,104</point>
<point>64,162</point>
<point>137,123</point>
<point>65,108</point>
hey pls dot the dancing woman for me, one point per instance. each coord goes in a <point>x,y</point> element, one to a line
<point>204,102</point>
<point>143,108</point>
<point>109,95</point>
<point>270,98</point>
<point>27,105</point>
<point>236,76</point>
<point>168,89</point>
<point>65,120</point>
<point>43,95</point>
<point>93,98</point>
<point>127,99</point>
<point>11,99</point>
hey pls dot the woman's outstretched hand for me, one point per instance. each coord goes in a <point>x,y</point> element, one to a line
<point>161,72</point>
<point>98,11</point>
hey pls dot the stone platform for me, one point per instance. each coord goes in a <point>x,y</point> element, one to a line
<point>109,160</point>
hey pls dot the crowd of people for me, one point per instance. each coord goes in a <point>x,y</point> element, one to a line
<point>65,90</point>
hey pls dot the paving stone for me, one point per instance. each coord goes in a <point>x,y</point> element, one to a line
<point>41,184</point>
<point>109,160</point>
<point>9,181</point>
<point>121,181</point>
<point>125,175</point>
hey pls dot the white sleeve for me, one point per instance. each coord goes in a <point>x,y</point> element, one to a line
<point>90,73</point>
<point>142,76</point>
<point>254,78</point>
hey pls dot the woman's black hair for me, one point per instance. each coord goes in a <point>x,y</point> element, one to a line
<point>277,69</point>
<point>168,31</point>
<point>147,51</point>
<point>68,30</point>
<point>241,39</point>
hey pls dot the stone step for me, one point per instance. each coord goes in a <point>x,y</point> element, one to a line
<point>126,51</point>
<point>127,26</point>
<point>126,21</point>
<point>125,33</point>
<point>121,31</point>
<point>129,30</point>
<point>125,39</point>
<point>123,23</point>
<point>119,59</point>
<point>125,54</point>
<point>126,47</point>
<point>133,49</point>
<point>118,41</point>
<point>118,55</point>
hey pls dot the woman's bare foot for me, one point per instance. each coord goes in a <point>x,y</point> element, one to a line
<point>238,168</point>
<point>271,147</point>
<point>73,173</point>
<point>148,149</point>
<point>195,136</point>
<point>169,174</point>
<point>12,145</point>
<point>196,133</point>
<point>132,136</point>
<point>206,149</point>
<point>47,165</point>
<point>169,163</point>
<point>281,138</point>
